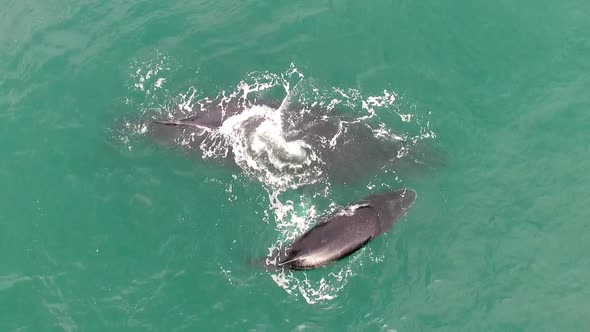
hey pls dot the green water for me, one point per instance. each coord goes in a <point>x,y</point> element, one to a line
<point>103,230</point>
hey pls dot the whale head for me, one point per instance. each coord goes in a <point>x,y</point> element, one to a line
<point>391,206</point>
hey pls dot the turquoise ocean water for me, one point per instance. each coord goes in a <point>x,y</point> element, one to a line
<point>103,229</point>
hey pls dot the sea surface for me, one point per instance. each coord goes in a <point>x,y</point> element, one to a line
<point>103,228</point>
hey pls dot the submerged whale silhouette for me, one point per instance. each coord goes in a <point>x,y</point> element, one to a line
<point>345,232</point>
<point>347,148</point>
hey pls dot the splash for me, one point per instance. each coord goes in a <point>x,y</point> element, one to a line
<point>264,152</point>
<point>255,135</point>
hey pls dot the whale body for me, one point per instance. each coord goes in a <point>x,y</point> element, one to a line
<point>346,231</point>
<point>348,149</point>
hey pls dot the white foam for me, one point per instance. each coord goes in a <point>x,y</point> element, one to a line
<point>260,149</point>
<point>145,72</point>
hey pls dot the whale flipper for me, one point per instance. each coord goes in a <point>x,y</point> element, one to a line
<point>183,122</point>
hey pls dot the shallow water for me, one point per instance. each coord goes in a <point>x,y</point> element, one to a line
<point>103,229</point>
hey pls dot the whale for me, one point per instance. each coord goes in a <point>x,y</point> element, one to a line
<point>348,149</point>
<point>344,232</point>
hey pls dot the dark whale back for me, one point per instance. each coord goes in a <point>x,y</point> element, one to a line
<point>348,148</point>
<point>333,239</point>
<point>347,231</point>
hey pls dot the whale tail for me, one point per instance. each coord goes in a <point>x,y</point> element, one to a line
<point>271,262</point>
<point>256,262</point>
<point>168,123</point>
<point>184,122</point>
<point>263,263</point>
